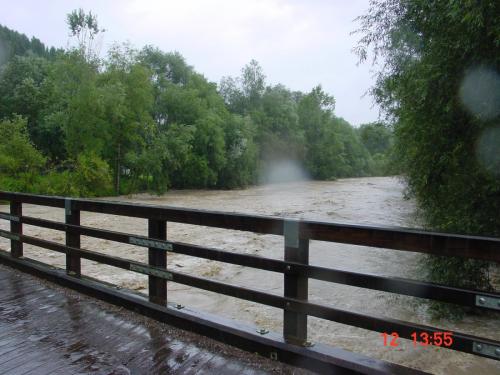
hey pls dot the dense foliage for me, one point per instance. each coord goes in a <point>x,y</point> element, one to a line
<point>13,44</point>
<point>144,120</point>
<point>379,141</point>
<point>440,85</point>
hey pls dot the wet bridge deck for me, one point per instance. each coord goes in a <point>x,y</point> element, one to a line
<point>45,329</point>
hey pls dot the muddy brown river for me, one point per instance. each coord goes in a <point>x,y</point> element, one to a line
<point>374,200</point>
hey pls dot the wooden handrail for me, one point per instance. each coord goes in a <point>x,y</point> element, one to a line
<point>295,266</point>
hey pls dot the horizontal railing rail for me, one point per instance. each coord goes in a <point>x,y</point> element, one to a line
<point>443,293</point>
<point>295,267</point>
<point>407,239</point>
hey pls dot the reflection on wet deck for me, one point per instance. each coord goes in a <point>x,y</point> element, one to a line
<point>45,329</point>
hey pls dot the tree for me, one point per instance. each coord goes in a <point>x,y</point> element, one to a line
<point>20,161</point>
<point>324,148</point>
<point>378,139</point>
<point>243,94</point>
<point>146,120</point>
<point>189,109</point>
<point>431,50</point>
<point>232,94</point>
<point>241,153</point>
<point>14,44</point>
<point>127,97</point>
<point>22,93</point>
<point>278,131</point>
<point>169,74</point>
<point>74,107</point>
<point>84,27</point>
<point>253,83</point>
<point>296,125</point>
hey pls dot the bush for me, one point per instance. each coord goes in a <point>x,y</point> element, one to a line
<point>17,154</point>
<point>92,176</point>
<point>56,183</point>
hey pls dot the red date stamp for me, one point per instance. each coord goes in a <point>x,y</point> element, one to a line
<point>420,339</point>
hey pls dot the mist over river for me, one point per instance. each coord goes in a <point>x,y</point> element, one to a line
<point>374,200</point>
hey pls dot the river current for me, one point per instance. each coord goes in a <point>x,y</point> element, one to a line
<point>374,200</point>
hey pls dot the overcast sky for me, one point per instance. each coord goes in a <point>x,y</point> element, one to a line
<point>298,43</point>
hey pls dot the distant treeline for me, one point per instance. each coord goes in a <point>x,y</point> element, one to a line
<point>72,123</point>
<point>13,44</point>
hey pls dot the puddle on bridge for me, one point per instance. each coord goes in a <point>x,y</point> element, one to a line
<point>362,200</point>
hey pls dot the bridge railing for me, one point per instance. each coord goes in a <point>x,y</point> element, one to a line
<point>295,267</point>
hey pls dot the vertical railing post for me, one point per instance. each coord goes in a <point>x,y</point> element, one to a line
<point>73,262</point>
<point>296,286</point>
<point>157,229</point>
<point>16,228</point>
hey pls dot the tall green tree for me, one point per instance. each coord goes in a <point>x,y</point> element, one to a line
<point>278,132</point>
<point>85,28</point>
<point>324,151</point>
<point>22,91</point>
<point>127,97</point>
<point>74,107</point>
<point>243,94</point>
<point>434,85</point>
<point>146,120</point>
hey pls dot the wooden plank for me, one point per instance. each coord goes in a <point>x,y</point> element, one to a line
<point>295,284</point>
<point>465,297</point>
<point>406,239</point>
<point>40,367</point>
<point>16,354</point>
<point>157,229</point>
<point>462,342</point>
<point>42,200</point>
<point>82,338</point>
<point>193,357</point>
<point>475,247</point>
<point>319,358</point>
<point>73,261</point>
<point>16,247</point>
<point>197,364</point>
<point>26,360</point>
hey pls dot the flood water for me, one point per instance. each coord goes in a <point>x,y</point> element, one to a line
<point>374,200</point>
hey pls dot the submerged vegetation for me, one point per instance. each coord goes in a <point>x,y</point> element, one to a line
<point>73,123</point>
